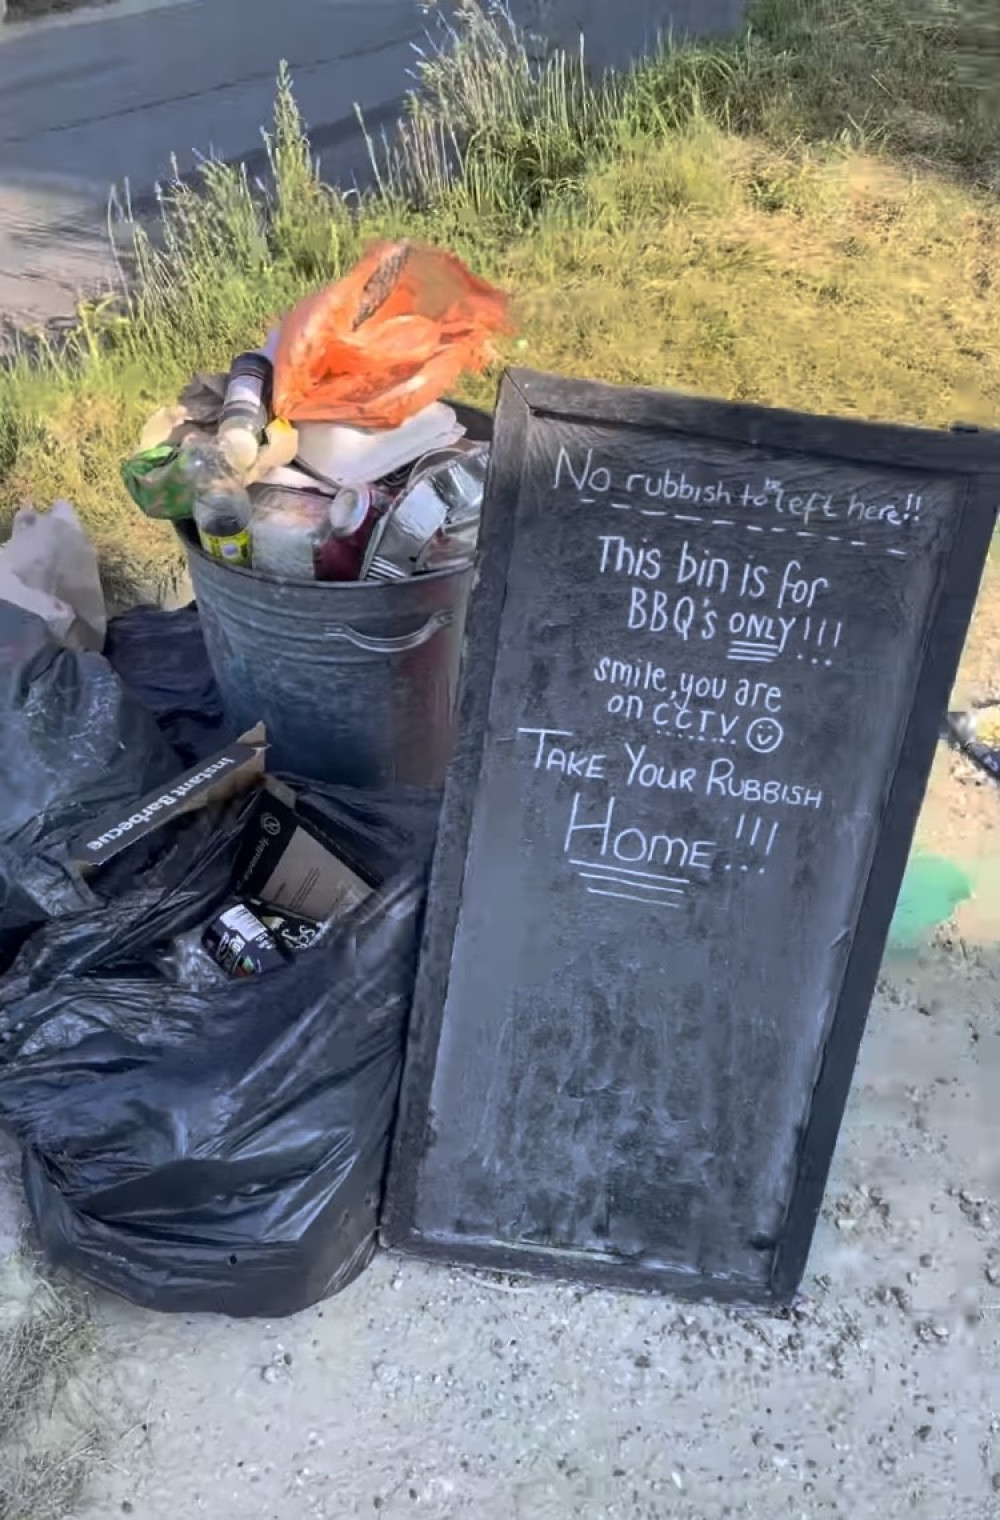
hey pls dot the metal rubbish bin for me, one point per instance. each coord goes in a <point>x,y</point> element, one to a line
<point>356,682</point>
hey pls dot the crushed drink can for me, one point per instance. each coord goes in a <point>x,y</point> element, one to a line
<point>401,535</point>
<point>458,475</point>
<point>450,550</point>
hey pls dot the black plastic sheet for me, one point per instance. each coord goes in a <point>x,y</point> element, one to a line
<point>161,659</point>
<point>215,1147</point>
<point>73,744</point>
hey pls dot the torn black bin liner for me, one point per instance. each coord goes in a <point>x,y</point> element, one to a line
<point>214,1145</point>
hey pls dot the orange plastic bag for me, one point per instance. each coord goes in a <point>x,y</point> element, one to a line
<point>387,340</point>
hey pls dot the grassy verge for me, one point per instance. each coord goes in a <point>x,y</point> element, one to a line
<point>804,216</point>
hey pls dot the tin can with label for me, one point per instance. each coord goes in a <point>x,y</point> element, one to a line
<point>241,944</point>
<point>458,475</point>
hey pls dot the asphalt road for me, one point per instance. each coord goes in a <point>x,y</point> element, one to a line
<point>107,97</point>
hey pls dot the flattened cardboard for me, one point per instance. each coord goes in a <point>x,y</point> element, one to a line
<point>224,775</point>
<point>284,862</point>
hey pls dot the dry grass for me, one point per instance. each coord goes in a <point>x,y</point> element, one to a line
<point>49,1434</point>
<point>816,278</point>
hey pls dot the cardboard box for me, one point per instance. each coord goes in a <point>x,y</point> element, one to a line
<point>285,862</point>
<point>224,775</point>
<point>282,861</point>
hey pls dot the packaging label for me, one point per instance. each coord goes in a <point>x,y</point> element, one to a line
<point>233,548</point>
<point>244,391</point>
<point>283,863</point>
<point>243,921</point>
<point>242,945</point>
<point>224,775</point>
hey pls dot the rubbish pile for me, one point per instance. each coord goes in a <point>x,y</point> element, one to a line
<point>207,958</point>
<point>328,454</point>
<point>977,734</point>
<point>205,977</point>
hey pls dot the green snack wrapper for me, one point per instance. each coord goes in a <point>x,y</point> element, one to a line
<point>158,484</point>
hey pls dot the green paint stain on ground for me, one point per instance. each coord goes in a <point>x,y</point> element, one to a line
<point>932,890</point>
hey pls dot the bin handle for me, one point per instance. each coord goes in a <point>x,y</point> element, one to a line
<point>399,645</point>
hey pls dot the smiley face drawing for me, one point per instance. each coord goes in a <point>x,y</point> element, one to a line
<point>764,735</point>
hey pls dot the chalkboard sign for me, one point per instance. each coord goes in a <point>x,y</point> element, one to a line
<point>708,657</point>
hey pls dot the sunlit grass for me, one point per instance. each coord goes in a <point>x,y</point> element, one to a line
<point>804,216</point>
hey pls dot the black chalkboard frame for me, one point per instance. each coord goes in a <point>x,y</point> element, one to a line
<point>966,454</point>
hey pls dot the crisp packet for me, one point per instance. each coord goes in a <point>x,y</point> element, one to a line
<point>157,483</point>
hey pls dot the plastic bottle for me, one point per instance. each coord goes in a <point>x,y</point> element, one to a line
<point>246,409</point>
<point>287,530</point>
<point>222,507</point>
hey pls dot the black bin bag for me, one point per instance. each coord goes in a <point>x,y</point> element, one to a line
<point>196,1143</point>
<point>161,659</point>
<point>74,743</point>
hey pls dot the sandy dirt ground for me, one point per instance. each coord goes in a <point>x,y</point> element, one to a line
<point>428,1392</point>
<point>437,1393</point>
<point>961,815</point>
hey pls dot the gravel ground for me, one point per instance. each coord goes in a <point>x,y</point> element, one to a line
<point>436,1393</point>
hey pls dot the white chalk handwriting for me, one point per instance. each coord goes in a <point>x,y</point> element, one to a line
<point>660,493</point>
<point>761,608</point>
<point>697,782</point>
<point>627,829</point>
